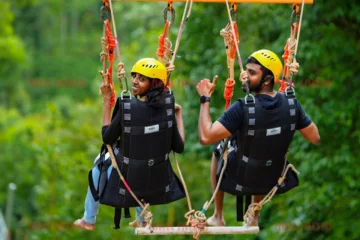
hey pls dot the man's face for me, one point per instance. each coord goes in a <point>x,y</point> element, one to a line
<point>254,76</point>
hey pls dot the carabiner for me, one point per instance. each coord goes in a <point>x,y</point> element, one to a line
<point>104,9</point>
<point>233,11</point>
<point>169,8</point>
<point>295,15</point>
<point>127,89</point>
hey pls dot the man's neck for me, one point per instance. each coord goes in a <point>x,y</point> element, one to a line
<point>270,92</point>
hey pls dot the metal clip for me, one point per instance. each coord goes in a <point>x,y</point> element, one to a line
<point>234,12</point>
<point>104,9</point>
<point>169,8</point>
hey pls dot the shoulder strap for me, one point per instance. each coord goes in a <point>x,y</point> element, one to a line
<point>292,102</point>
<point>125,103</point>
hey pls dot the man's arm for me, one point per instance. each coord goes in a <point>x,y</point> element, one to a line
<point>179,121</point>
<point>311,133</point>
<point>210,132</point>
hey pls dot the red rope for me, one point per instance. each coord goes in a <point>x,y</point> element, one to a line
<point>112,44</point>
<point>283,86</point>
<point>285,56</point>
<point>161,50</point>
<point>228,91</point>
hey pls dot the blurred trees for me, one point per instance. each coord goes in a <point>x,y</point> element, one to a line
<point>50,127</point>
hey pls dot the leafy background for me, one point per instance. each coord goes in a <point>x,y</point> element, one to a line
<point>50,111</point>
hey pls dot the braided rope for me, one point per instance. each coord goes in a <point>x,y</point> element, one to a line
<point>164,51</point>
<point>197,219</point>
<point>107,53</point>
<point>228,91</point>
<point>234,33</point>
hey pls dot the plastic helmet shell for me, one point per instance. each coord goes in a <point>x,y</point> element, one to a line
<point>151,68</point>
<point>269,60</point>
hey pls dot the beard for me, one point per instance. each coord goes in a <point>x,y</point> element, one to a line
<point>251,88</point>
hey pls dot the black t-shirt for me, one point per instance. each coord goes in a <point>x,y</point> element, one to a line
<point>112,132</point>
<point>233,117</point>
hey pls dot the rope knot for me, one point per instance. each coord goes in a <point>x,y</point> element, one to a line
<point>121,70</point>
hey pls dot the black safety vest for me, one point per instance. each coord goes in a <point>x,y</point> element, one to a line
<point>262,144</point>
<point>143,157</point>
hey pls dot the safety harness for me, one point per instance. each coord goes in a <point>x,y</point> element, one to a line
<point>143,162</point>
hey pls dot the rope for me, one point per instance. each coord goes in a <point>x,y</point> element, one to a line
<point>120,69</point>
<point>195,219</point>
<point>164,51</point>
<point>234,34</point>
<point>198,220</point>
<point>290,49</point>
<point>183,182</point>
<point>231,42</point>
<point>298,34</point>
<point>250,213</point>
<point>108,44</point>
<point>228,91</point>
<point>187,12</point>
<point>146,212</point>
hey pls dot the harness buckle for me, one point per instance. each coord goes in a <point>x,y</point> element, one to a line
<point>252,100</point>
<point>125,91</point>
<point>290,92</point>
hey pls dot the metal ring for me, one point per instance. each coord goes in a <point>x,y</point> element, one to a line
<point>246,97</point>
<point>286,90</point>
<point>102,10</point>
<point>172,10</point>
<point>151,162</point>
<point>122,94</point>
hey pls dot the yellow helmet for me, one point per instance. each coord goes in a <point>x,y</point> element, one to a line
<point>151,68</point>
<point>269,60</point>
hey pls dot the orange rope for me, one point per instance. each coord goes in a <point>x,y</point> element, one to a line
<point>111,45</point>
<point>228,91</point>
<point>283,86</point>
<point>285,56</point>
<point>161,50</point>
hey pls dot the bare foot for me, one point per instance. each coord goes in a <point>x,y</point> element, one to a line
<point>80,223</point>
<point>213,221</point>
<point>136,223</point>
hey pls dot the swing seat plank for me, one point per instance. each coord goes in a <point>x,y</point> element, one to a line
<point>233,1</point>
<point>190,230</point>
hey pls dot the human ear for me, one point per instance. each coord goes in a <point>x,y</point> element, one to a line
<point>267,79</point>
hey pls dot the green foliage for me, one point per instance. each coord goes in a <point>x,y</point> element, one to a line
<point>50,110</point>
